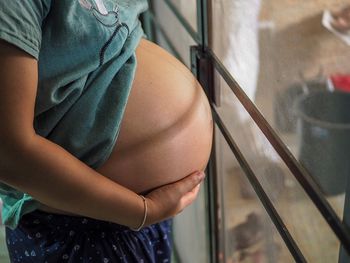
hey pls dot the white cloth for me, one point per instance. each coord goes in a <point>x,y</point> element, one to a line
<point>239,41</point>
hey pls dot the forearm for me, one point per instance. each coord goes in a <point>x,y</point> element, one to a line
<point>57,179</point>
<point>54,177</point>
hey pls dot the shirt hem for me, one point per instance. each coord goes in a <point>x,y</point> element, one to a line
<point>21,43</point>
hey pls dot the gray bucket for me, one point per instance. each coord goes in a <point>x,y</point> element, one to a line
<point>323,131</point>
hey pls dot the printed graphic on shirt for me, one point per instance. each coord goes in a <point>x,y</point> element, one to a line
<point>99,3</point>
<point>108,16</point>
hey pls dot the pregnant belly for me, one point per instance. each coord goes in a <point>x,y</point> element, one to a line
<point>167,129</point>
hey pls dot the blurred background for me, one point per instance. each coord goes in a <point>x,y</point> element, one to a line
<point>291,59</point>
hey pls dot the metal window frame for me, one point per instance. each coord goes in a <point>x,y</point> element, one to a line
<point>203,63</point>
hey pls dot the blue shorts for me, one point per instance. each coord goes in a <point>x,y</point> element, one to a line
<point>43,237</point>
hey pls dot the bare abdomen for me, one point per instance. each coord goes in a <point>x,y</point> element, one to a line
<point>166,132</point>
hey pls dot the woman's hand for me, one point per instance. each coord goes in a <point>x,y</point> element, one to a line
<point>342,19</point>
<point>169,200</point>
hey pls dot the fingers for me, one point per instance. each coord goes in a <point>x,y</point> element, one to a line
<point>169,200</point>
<point>341,19</point>
<point>187,184</point>
<point>188,189</point>
<point>189,198</point>
<point>340,24</point>
<point>342,12</point>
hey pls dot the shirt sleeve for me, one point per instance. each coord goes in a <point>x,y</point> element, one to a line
<point>21,23</point>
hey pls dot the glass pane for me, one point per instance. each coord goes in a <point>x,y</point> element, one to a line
<point>235,39</point>
<point>307,226</point>
<point>293,64</point>
<point>188,9</point>
<point>249,234</point>
<point>180,39</point>
<point>190,232</point>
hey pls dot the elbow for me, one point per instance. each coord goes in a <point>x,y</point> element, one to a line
<point>17,136</point>
<point>13,148</point>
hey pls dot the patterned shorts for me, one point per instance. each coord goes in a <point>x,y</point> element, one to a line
<point>43,237</point>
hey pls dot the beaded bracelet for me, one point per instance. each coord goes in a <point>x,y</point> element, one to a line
<point>144,215</point>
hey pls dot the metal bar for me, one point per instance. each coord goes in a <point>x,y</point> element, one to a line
<point>212,199</point>
<point>201,73</point>
<point>161,30</point>
<point>147,25</point>
<point>146,22</point>
<point>200,21</point>
<point>297,170</point>
<point>195,36</point>
<point>276,219</point>
<point>203,22</point>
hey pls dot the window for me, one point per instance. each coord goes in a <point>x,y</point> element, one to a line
<point>276,74</point>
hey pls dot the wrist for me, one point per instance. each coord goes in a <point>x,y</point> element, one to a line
<point>151,217</point>
<point>144,215</point>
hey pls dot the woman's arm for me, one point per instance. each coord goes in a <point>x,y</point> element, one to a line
<point>51,175</point>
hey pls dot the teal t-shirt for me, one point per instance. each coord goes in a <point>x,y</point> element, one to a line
<point>86,58</point>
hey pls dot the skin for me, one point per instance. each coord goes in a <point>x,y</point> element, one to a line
<point>167,125</point>
<point>342,19</point>
<point>53,176</point>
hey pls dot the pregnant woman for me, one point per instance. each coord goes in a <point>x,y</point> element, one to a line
<point>104,136</point>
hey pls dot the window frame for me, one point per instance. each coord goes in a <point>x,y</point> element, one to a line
<point>203,63</point>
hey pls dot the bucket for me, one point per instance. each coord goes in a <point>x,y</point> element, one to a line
<point>323,130</point>
<point>285,118</point>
